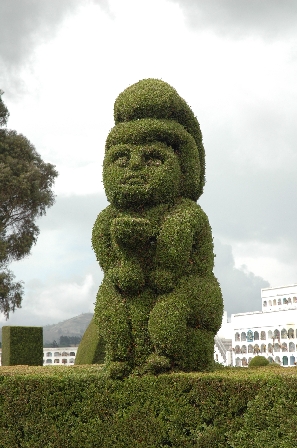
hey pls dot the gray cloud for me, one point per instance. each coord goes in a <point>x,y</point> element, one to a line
<point>268,18</point>
<point>241,289</point>
<point>26,24</point>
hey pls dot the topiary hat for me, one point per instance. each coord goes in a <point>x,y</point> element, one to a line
<point>156,99</point>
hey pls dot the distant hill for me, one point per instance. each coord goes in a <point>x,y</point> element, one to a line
<point>75,326</point>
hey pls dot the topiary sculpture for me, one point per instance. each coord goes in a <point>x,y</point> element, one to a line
<point>159,302</point>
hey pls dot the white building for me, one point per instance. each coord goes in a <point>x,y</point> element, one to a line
<point>59,356</point>
<point>271,332</point>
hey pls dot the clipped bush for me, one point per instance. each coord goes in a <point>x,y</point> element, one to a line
<point>22,346</point>
<point>91,349</point>
<point>159,298</point>
<point>80,407</point>
<point>258,361</point>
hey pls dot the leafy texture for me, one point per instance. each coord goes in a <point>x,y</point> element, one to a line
<point>22,345</point>
<point>25,194</point>
<point>79,407</point>
<point>159,305</point>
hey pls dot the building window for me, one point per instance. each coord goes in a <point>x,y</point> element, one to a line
<point>279,301</point>
<point>277,359</point>
<point>237,349</point>
<point>64,361</point>
<point>57,354</point>
<point>49,361</point>
<point>269,303</point>
<point>263,348</point>
<point>294,299</point>
<point>270,348</point>
<point>265,303</point>
<point>237,336</point>
<point>256,336</point>
<point>270,359</point>
<point>291,347</point>
<point>250,336</point>
<point>284,333</point>
<point>276,334</point>
<point>274,302</point>
<point>285,301</point>
<point>256,348</point>
<point>285,360</point>
<point>250,348</point>
<point>263,335</point>
<point>72,354</point>
<point>71,360</point>
<point>238,362</point>
<point>291,333</point>
<point>65,354</point>
<point>292,360</point>
<point>269,334</point>
<point>243,349</point>
<point>243,336</point>
<point>244,362</point>
<point>276,347</point>
<point>56,361</point>
<point>284,347</point>
<point>49,354</point>
<point>289,300</point>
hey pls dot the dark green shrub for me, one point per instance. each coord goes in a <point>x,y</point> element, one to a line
<point>22,346</point>
<point>159,298</point>
<point>258,361</point>
<point>75,407</point>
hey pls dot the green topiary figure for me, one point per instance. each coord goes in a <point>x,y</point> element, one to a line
<point>159,299</point>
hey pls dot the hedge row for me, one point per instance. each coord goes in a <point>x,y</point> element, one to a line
<point>80,407</point>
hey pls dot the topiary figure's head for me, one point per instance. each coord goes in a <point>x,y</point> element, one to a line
<point>155,152</point>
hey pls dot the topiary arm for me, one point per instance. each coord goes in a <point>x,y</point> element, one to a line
<point>101,239</point>
<point>184,245</point>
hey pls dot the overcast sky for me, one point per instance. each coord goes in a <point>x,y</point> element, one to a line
<point>62,65</point>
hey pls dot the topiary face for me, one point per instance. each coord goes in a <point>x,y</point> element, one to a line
<point>145,173</point>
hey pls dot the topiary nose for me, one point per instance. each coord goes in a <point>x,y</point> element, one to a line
<point>136,161</point>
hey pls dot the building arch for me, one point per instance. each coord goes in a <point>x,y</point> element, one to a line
<point>291,333</point>
<point>243,336</point>
<point>256,336</point>
<point>276,334</point>
<point>284,334</point>
<point>292,347</point>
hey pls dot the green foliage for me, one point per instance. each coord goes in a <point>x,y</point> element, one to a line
<point>25,194</point>
<point>4,114</point>
<point>159,298</point>
<point>258,361</point>
<point>91,349</point>
<point>22,346</point>
<point>79,406</point>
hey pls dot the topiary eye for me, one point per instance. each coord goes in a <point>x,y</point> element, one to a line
<point>153,158</point>
<point>120,157</point>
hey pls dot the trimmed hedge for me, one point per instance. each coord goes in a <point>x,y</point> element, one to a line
<point>159,302</point>
<point>258,361</point>
<point>81,407</point>
<point>91,349</point>
<point>22,345</point>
